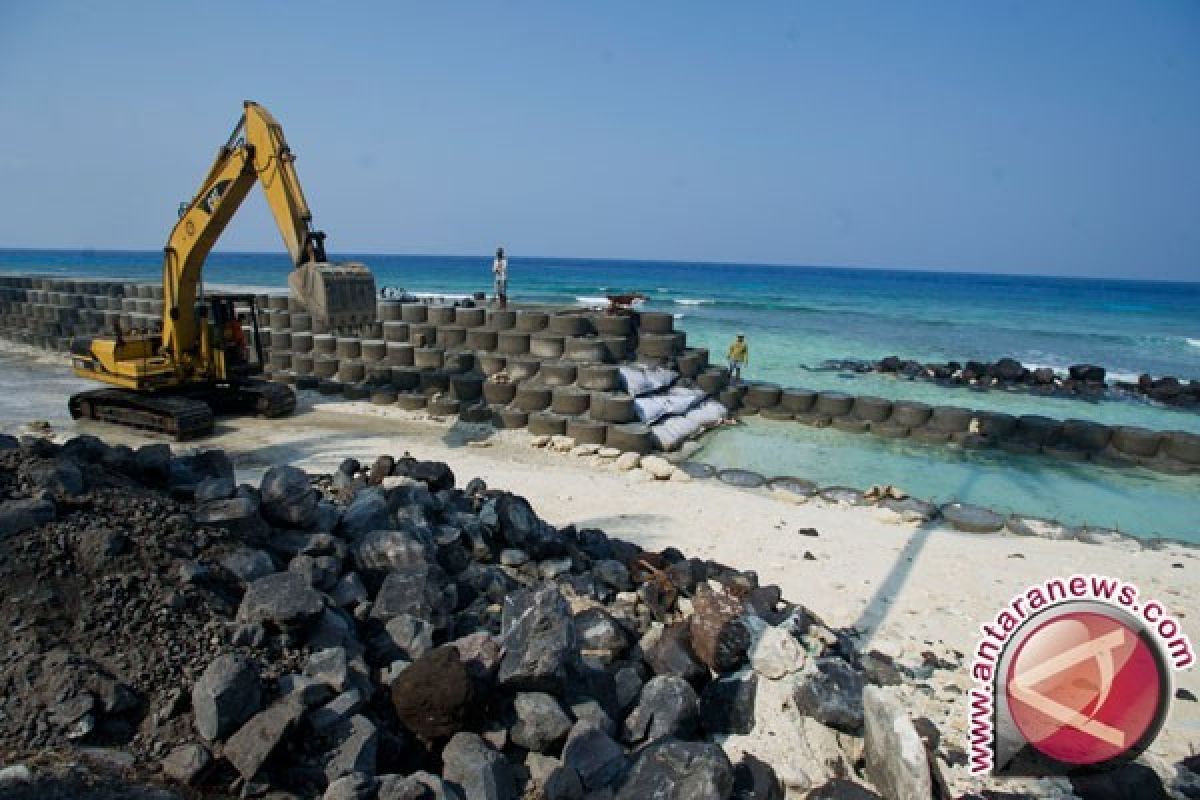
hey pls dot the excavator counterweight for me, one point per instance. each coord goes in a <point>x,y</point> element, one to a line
<point>208,355</point>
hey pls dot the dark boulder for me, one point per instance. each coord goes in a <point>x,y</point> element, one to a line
<point>540,642</point>
<point>21,515</point>
<point>283,599</point>
<point>227,693</point>
<point>671,654</point>
<point>674,770</point>
<point>593,754</point>
<point>727,704</point>
<point>832,695</point>
<point>719,637</point>
<point>288,498</point>
<point>667,707</point>
<point>421,590</point>
<point>437,696</point>
<point>541,721</point>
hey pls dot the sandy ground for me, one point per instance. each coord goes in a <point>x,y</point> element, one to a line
<point>907,589</point>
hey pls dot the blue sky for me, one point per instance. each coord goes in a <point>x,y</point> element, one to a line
<point>1043,137</point>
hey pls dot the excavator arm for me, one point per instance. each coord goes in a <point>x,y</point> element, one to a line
<point>339,294</point>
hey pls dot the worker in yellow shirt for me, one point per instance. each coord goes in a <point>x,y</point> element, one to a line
<point>739,354</point>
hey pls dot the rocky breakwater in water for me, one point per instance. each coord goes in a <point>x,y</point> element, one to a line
<point>383,633</point>
<point>1071,440</point>
<point>1084,381</point>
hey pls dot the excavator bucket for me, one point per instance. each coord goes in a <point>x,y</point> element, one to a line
<point>341,294</point>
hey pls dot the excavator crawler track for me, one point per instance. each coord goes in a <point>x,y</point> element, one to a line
<point>263,398</point>
<point>175,415</point>
<point>184,415</point>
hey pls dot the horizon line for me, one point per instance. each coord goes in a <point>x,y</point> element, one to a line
<point>848,267</point>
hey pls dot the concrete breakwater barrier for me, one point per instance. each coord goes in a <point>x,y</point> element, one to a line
<point>558,372</point>
<point>555,371</point>
<point>1082,381</point>
<point>1075,440</point>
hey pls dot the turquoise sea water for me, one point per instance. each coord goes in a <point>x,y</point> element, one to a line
<point>797,317</point>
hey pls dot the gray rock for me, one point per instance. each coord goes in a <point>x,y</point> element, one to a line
<point>186,764</point>
<point>511,557</point>
<point>153,463</point>
<point>612,574</point>
<point>972,519</point>
<point>248,565</point>
<point>21,515</point>
<point>60,477</point>
<point>541,722</point>
<point>309,691</point>
<point>550,780</point>
<point>539,643</point>
<point>385,550</point>
<point>356,748</point>
<point>283,599</point>
<point>438,787</point>
<point>367,512</point>
<point>672,654</point>
<point>897,763</point>
<point>832,694</point>
<point>480,653</point>
<point>357,786</point>
<point>248,749</point>
<point>407,637</point>
<point>288,498</point>
<point>321,572</point>
<point>727,704</point>
<point>331,715</point>
<point>350,591</point>
<point>597,629</point>
<point>478,770</point>
<point>422,591</point>
<point>406,787</point>
<point>629,687</point>
<point>238,515</point>
<point>593,754</point>
<point>214,489</point>
<point>331,667</point>
<point>227,693</point>
<point>673,770</point>
<point>667,707</point>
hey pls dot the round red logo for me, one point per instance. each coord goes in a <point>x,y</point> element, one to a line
<point>1084,687</point>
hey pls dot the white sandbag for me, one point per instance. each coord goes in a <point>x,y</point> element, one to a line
<point>674,431</point>
<point>639,380</point>
<point>680,400</point>
<point>708,414</point>
<point>651,409</point>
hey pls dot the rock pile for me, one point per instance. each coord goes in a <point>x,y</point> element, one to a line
<point>380,633</point>
<point>1085,381</point>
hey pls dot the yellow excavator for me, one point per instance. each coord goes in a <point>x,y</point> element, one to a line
<point>208,355</point>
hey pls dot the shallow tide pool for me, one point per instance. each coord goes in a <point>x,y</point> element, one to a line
<point>1135,501</point>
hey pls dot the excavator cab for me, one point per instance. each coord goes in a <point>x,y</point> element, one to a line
<point>233,332</point>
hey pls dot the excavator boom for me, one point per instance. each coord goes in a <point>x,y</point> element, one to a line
<point>257,152</point>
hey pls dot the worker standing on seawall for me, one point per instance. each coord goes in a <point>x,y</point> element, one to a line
<point>739,354</point>
<point>500,275</point>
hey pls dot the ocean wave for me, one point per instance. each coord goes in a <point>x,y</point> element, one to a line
<point>678,316</point>
<point>440,296</point>
<point>1193,342</point>
<point>592,301</point>
<point>689,301</point>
